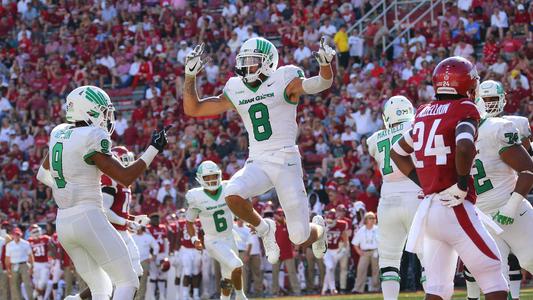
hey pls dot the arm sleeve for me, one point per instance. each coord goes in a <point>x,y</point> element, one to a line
<point>98,141</point>
<point>507,136</point>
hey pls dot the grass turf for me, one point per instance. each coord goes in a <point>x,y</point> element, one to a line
<point>525,294</point>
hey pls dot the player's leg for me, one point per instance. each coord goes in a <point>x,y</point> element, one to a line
<point>288,181</point>
<point>515,276</point>
<point>479,252</point>
<point>103,243</point>
<point>391,239</point>
<point>197,277</point>
<point>133,252</point>
<point>248,182</point>
<point>343,265</point>
<point>225,252</point>
<point>440,260</point>
<point>207,275</point>
<point>186,269</point>
<point>328,263</point>
<point>472,289</point>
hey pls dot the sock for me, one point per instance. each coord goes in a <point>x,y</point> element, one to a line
<point>472,290</point>
<point>239,294</point>
<point>185,292</point>
<point>262,228</point>
<point>196,292</point>
<point>514,288</point>
<point>124,292</point>
<point>390,288</point>
<point>222,297</point>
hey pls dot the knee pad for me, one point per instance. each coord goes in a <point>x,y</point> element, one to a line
<point>98,282</point>
<point>389,274</point>
<point>122,273</point>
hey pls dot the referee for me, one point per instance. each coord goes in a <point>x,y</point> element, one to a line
<point>19,265</point>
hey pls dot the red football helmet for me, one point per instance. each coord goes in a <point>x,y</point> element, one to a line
<point>456,76</point>
<point>331,217</point>
<point>126,157</point>
<point>165,265</point>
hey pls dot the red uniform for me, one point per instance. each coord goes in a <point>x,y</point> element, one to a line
<point>433,137</point>
<point>185,239</point>
<point>335,233</point>
<point>159,233</point>
<point>39,246</point>
<point>121,200</point>
<point>282,239</point>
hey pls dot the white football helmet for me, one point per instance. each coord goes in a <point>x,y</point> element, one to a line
<point>480,103</point>
<point>492,89</point>
<point>256,52</point>
<point>92,105</point>
<point>397,109</point>
<point>208,168</point>
<point>35,231</point>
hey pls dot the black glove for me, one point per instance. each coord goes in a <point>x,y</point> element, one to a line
<point>159,139</point>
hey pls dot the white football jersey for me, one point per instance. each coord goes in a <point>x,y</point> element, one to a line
<point>214,214</point>
<point>494,180</point>
<point>77,179</point>
<point>267,114</point>
<point>522,123</point>
<point>379,146</point>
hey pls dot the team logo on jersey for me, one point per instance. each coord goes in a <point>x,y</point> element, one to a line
<point>256,98</point>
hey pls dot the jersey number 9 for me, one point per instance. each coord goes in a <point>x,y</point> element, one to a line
<point>57,165</point>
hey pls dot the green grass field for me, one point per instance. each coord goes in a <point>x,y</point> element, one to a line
<point>526,294</point>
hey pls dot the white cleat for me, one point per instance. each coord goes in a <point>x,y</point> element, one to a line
<point>269,242</point>
<point>73,297</point>
<point>321,245</point>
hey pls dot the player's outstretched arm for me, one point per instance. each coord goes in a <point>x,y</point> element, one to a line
<point>44,175</point>
<point>192,104</point>
<point>315,84</point>
<point>110,166</point>
<point>465,150</point>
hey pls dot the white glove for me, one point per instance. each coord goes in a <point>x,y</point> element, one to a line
<point>507,213</point>
<point>142,220</point>
<point>325,53</point>
<point>194,62</point>
<point>452,196</point>
<point>133,226</point>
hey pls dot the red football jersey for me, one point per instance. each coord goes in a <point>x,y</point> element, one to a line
<point>185,240</point>
<point>39,246</point>
<point>335,234</point>
<point>160,234</point>
<point>433,136</point>
<point>121,201</point>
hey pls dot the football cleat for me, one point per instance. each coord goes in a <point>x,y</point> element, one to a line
<point>321,245</point>
<point>269,242</point>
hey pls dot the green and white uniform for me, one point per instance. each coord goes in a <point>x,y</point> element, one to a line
<point>93,244</point>
<point>494,182</point>
<point>399,197</point>
<point>522,123</point>
<point>217,223</point>
<point>274,160</point>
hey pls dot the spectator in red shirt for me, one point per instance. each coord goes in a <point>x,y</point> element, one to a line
<point>286,257</point>
<point>490,51</point>
<point>510,45</point>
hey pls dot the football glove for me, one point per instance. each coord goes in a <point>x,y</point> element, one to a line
<point>142,220</point>
<point>452,196</point>
<point>507,213</point>
<point>194,62</point>
<point>159,139</point>
<point>325,53</point>
<point>132,225</point>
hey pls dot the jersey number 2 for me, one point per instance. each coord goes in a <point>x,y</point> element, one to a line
<point>260,121</point>
<point>384,146</point>
<point>220,221</point>
<point>57,165</point>
<point>434,145</point>
<point>480,185</point>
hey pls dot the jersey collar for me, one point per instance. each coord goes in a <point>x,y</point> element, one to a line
<point>215,196</point>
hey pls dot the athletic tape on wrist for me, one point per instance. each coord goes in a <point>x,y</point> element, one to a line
<point>149,155</point>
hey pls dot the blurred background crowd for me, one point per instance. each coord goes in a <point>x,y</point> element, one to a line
<point>135,50</point>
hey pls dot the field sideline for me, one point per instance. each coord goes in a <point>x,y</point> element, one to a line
<point>525,294</point>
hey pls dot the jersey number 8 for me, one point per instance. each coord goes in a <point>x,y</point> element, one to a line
<point>260,121</point>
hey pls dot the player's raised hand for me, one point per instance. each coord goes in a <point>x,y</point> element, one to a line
<point>159,139</point>
<point>194,62</point>
<point>325,53</point>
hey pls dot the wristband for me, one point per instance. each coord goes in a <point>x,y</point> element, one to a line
<point>149,155</point>
<point>194,239</point>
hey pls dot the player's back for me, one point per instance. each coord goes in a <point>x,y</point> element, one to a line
<point>334,233</point>
<point>379,146</point>
<point>494,180</point>
<point>267,114</point>
<point>39,247</point>
<point>77,179</point>
<point>433,137</point>
<point>215,216</point>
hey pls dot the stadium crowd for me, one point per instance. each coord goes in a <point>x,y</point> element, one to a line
<point>47,48</point>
